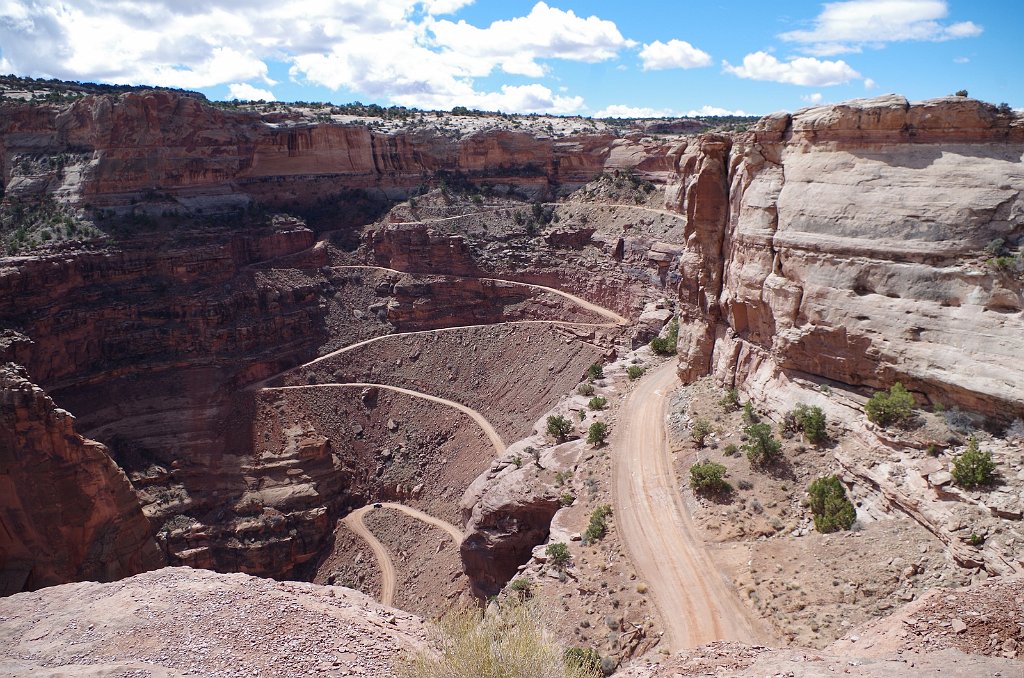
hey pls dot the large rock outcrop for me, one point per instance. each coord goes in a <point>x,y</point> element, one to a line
<point>853,249</point>
<point>67,512</point>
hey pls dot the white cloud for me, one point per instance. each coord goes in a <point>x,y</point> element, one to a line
<point>962,60</point>
<point>400,51</point>
<point>712,110</point>
<point>515,44</point>
<point>806,71</point>
<point>869,83</point>
<point>658,55</point>
<point>624,111</point>
<point>814,98</point>
<point>246,92</point>
<point>850,26</point>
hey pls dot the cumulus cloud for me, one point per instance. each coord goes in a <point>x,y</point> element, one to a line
<point>850,26</point>
<point>814,98</point>
<point>805,71</point>
<point>246,92</point>
<point>658,55</point>
<point>869,83</point>
<point>403,51</point>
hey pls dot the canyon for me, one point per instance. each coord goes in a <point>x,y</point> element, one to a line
<point>244,327</point>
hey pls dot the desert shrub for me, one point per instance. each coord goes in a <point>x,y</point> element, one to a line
<point>558,555</point>
<point>1015,431</point>
<point>750,415</point>
<point>731,450</point>
<point>598,526</point>
<point>973,467</point>
<point>958,420</point>
<point>761,447</point>
<point>518,461</point>
<point>567,499</point>
<point>745,485</point>
<point>634,372</point>
<point>509,641</point>
<point>730,402</point>
<point>559,426</point>
<point>521,585</point>
<point>667,345</point>
<point>583,659</point>
<point>832,510</point>
<point>597,403</point>
<point>700,431</point>
<point>894,406</point>
<point>585,389</point>
<point>810,420</point>
<point>597,433</point>
<point>595,371</point>
<point>708,477</point>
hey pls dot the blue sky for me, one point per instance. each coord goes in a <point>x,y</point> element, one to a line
<point>560,56</point>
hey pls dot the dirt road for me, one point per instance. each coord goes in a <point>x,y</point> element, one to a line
<point>696,604</point>
<point>388,577</point>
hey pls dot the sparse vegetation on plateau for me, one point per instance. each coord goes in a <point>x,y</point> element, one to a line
<point>595,372</point>
<point>634,372</point>
<point>708,477</point>
<point>761,447</point>
<point>508,641</point>
<point>810,420</point>
<point>597,433</point>
<point>558,555</point>
<point>585,389</point>
<point>559,427</point>
<point>598,526</point>
<point>894,406</point>
<point>699,431</point>
<point>730,402</point>
<point>598,403</point>
<point>831,509</point>
<point>973,468</point>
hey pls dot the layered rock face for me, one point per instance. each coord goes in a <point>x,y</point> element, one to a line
<point>848,242</point>
<point>67,511</point>
<point>178,151</point>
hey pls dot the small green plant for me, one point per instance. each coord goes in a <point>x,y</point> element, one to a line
<point>634,372</point>
<point>521,585</point>
<point>893,407</point>
<point>518,461</point>
<point>667,345</point>
<point>567,499</point>
<point>562,477</point>
<point>700,431</point>
<point>973,467</point>
<point>597,433</point>
<point>750,415</point>
<point>598,526</point>
<point>598,403</point>
<point>975,539</point>
<point>731,450</point>
<point>595,372</point>
<point>810,420</point>
<point>585,389</point>
<point>558,555</point>
<point>730,402</point>
<point>761,447</point>
<point>559,427</point>
<point>708,477</point>
<point>832,510</point>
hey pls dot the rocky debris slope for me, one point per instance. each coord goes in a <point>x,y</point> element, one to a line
<point>67,511</point>
<point>849,242</point>
<point>964,633</point>
<point>178,621</point>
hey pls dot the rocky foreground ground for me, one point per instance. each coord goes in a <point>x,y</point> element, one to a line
<point>180,621</point>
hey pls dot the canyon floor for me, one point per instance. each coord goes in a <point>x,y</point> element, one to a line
<point>385,404</point>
